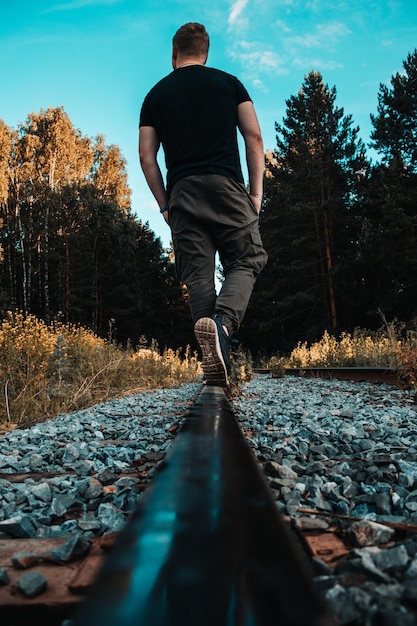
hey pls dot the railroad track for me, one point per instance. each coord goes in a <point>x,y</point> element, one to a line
<point>384,375</point>
<point>206,546</point>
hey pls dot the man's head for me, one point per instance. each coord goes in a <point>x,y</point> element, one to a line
<point>191,41</point>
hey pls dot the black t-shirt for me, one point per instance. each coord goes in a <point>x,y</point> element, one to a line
<point>194,112</point>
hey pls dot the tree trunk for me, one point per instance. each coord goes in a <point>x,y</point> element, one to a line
<point>67,278</point>
<point>327,236</point>
<point>22,257</point>
<point>46,264</point>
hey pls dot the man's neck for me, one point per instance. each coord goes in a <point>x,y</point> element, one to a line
<point>187,61</point>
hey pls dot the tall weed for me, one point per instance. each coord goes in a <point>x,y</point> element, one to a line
<point>390,347</point>
<point>50,369</point>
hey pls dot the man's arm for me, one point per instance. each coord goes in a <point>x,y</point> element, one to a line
<point>249,127</point>
<point>148,149</point>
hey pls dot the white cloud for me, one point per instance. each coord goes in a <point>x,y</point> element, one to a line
<point>259,85</point>
<point>256,59</point>
<point>265,43</point>
<point>315,63</point>
<point>324,36</point>
<point>80,4</point>
<point>236,10</point>
<point>333,30</point>
<point>282,26</point>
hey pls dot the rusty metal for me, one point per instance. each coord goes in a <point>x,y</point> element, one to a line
<point>206,545</point>
<point>402,526</point>
<point>356,374</point>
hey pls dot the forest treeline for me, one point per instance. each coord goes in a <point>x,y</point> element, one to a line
<point>71,248</point>
<point>341,231</point>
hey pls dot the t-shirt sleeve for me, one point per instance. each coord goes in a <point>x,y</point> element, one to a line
<point>242,94</point>
<point>146,118</point>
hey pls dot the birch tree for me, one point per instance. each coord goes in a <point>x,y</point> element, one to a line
<point>4,188</point>
<point>51,153</point>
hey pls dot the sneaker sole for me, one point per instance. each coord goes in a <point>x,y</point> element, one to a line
<point>214,368</point>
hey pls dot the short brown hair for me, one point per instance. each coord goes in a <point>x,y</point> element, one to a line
<point>192,39</point>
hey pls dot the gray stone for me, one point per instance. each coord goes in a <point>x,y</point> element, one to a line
<point>23,560</point>
<point>411,571</point>
<point>4,576</point>
<point>35,462</point>
<point>280,471</point>
<point>335,446</point>
<point>57,508</point>
<point>110,518</point>
<point>369,566</point>
<point>383,504</point>
<point>19,526</point>
<point>31,584</point>
<point>75,548</point>
<point>391,558</point>
<point>311,523</point>
<point>368,533</point>
<point>348,605</point>
<point>42,491</point>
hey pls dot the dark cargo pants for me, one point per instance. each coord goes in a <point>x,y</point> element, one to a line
<point>209,214</point>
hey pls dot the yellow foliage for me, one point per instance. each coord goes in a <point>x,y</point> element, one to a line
<point>386,347</point>
<point>25,344</point>
<point>50,369</point>
<point>362,349</point>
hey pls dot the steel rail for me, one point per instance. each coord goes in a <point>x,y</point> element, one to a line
<point>206,545</point>
<point>357,374</point>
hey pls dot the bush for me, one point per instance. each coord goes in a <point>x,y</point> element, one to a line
<point>390,347</point>
<point>50,369</point>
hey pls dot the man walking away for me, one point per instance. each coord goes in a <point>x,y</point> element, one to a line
<point>194,113</point>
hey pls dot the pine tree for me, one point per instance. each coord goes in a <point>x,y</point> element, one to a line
<point>395,126</point>
<point>307,223</point>
<point>386,266</point>
<point>388,239</point>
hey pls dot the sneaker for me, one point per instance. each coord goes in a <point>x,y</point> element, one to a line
<point>215,346</point>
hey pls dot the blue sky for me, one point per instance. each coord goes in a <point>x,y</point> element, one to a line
<point>98,58</point>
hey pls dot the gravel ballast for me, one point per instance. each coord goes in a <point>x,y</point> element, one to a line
<point>339,448</point>
<point>347,449</point>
